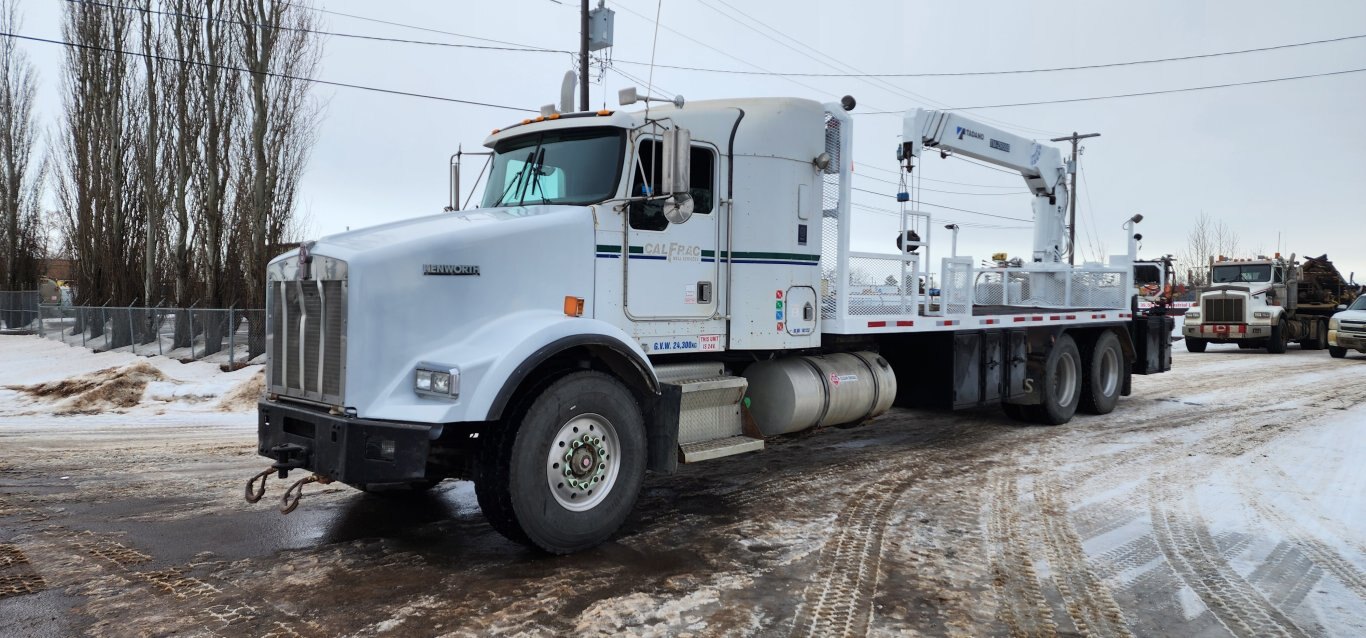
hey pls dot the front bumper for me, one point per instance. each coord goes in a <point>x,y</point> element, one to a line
<point>1350,340</point>
<point>1226,332</point>
<point>350,450</point>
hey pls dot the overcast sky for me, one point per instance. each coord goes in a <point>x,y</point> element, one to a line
<point>1282,163</point>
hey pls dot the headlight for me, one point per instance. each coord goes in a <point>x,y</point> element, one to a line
<point>1192,314</point>
<point>437,381</point>
<point>1333,323</point>
<point>1262,314</point>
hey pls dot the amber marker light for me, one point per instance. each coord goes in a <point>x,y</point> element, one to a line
<point>573,306</point>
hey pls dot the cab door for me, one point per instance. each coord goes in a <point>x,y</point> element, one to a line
<point>672,270</point>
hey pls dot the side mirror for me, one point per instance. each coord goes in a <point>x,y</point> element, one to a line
<point>627,96</point>
<point>677,161</point>
<point>1342,307</point>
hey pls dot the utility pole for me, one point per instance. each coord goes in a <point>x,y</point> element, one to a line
<point>1072,199</point>
<point>583,56</point>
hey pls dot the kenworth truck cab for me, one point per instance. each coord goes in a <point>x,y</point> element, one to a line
<point>1265,303</point>
<point>639,290</point>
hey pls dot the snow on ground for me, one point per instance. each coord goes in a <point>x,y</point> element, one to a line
<point>40,378</point>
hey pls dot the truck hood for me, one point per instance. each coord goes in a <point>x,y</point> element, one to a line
<point>419,284</point>
<point>465,224</point>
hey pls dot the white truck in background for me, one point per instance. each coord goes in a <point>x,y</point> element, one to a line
<point>630,279</point>
<point>1267,302</point>
<point>1347,329</point>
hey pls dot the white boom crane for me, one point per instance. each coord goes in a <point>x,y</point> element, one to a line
<point>1042,167</point>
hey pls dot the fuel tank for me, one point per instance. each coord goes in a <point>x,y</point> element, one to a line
<point>795,393</point>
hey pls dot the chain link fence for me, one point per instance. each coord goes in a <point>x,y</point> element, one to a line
<point>216,335</point>
<point>19,310</point>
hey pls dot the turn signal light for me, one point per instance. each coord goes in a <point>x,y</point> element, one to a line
<point>573,306</point>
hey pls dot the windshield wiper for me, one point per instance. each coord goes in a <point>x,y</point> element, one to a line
<point>502,199</point>
<point>537,172</point>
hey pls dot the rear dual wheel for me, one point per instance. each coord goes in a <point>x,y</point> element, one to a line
<point>1060,390</point>
<point>1104,375</point>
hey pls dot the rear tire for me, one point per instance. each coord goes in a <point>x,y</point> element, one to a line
<point>522,483</point>
<point>1103,375</point>
<point>1195,344</point>
<point>1277,343</point>
<point>1336,352</point>
<point>1060,392</point>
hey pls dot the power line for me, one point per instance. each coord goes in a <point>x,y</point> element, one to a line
<point>1016,71</point>
<point>932,190</point>
<point>283,76</point>
<point>410,26</point>
<point>1143,93</point>
<point>334,34</point>
<point>966,224</point>
<point>925,203</point>
<point>940,181</point>
<point>858,75</point>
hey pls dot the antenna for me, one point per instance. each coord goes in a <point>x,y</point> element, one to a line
<point>650,81</point>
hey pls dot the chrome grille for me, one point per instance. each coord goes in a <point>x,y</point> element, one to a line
<point>1352,326</point>
<point>1224,310</point>
<point>306,335</point>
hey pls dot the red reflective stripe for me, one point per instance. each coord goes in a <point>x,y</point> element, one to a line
<point>1019,319</point>
<point>951,322</point>
<point>903,324</point>
<point>989,321</point>
<point>1071,317</point>
<point>1039,318</point>
<point>877,324</point>
<point>1055,317</point>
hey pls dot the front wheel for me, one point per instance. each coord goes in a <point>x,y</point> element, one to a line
<point>1195,344</point>
<point>563,474</point>
<point>1278,342</point>
<point>1336,352</point>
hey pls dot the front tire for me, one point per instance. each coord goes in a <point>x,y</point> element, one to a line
<point>1277,343</point>
<point>1062,380</point>
<point>564,473</point>
<point>1195,344</point>
<point>1336,352</point>
<point>1104,376</point>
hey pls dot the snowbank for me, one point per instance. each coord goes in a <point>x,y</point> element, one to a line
<point>40,376</point>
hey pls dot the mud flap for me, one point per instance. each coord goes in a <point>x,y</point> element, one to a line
<point>1152,336</point>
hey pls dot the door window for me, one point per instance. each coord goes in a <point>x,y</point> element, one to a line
<point>647,176</point>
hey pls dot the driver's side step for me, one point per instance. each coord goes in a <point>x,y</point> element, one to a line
<point>710,419</point>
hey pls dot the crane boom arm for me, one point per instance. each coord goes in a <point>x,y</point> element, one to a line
<point>1042,167</point>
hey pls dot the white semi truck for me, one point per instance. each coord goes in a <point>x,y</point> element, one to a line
<point>1267,302</point>
<point>639,290</point>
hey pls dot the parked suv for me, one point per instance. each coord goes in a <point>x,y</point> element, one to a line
<point>1347,329</point>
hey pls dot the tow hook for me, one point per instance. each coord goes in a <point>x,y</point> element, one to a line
<point>288,456</point>
<point>296,491</point>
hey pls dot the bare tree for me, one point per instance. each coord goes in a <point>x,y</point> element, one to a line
<point>22,175</point>
<point>1208,239</point>
<point>278,46</point>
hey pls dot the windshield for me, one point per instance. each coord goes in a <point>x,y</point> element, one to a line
<point>556,167</point>
<point>1359,304</point>
<point>1242,274</point>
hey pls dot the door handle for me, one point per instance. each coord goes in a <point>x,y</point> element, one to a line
<point>703,292</point>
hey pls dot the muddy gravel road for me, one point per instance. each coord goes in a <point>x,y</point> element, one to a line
<point>1223,498</point>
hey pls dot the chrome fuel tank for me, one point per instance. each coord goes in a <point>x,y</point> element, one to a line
<point>795,393</point>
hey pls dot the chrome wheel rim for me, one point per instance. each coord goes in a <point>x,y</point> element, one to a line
<point>1065,383</point>
<point>583,462</point>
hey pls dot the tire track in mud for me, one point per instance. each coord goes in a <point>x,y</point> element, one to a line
<point>1190,550</point>
<point>1088,600</point>
<point>839,600</point>
<point>1320,553</point>
<point>99,568</point>
<point>1022,606</point>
